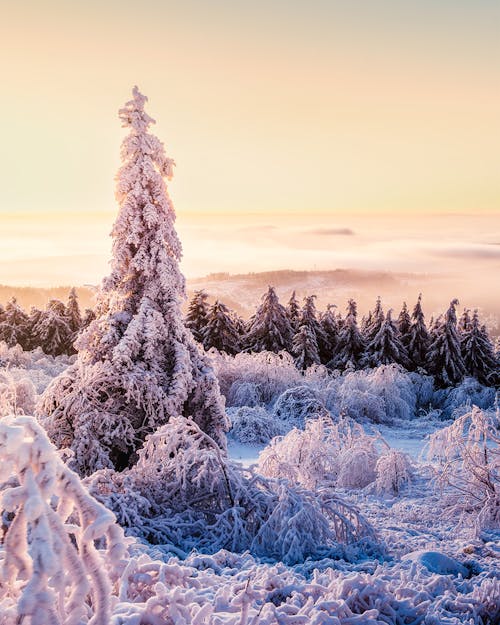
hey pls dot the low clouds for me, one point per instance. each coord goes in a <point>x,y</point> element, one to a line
<point>468,250</point>
<point>332,232</point>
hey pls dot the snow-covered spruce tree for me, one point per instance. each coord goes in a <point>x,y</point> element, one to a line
<point>309,317</point>
<point>293,311</point>
<point>88,317</point>
<point>137,364</point>
<point>53,333</point>
<point>404,325</point>
<point>386,346</point>
<point>374,322</point>
<point>464,322</point>
<point>197,314</point>
<point>220,331</point>
<point>73,314</point>
<point>418,341</point>
<point>350,345</point>
<point>269,328</point>
<point>330,325</point>
<point>444,357</point>
<point>478,353</point>
<point>14,327</point>
<point>32,341</point>
<point>305,348</point>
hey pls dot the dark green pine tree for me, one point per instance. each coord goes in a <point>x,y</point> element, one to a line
<point>220,331</point>
<point>305,348</point>
<point>330,325</point>
<point>197,314</point>
<point>478,353</point>
<point>444,358</point>
<point>464,323</point>
<point>14,327</point>
<point>386,347</point>
<point>293,311</point>
<point>418,337</point>
<point>404,325</point>
<point>309,317</point>
<point>373,322</point>
<point>350,348</point>
<point>270,328</point>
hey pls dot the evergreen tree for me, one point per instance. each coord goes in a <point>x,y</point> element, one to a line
<point>464,323</point>
<point>350,345</point>
<point>330,326</point>
<point>386,346</point>
<point>137,365</point>
<point>52,331</point>
<point>444,358</point>
<point>293,311</point>
<point>374,322</point>
<point>33,341</point>
<point>197,315</point>
<point>270,328</point>
<point>88,317</point>
<point>220,331</point>
<point>308,317</point>
<point>418,337</point>
<point>73,315</point>
<point>478,352</point>
<point>305,348</point>
<point>404,325</point>
<point>14,327</point>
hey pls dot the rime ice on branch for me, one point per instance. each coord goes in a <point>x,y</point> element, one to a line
<point>137,364</point>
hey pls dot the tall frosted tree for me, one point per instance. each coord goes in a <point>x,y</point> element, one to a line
<point>464,323</point>
<point>14,326</point>
<point>293,310</point>
<point>197,314</point>
<point>52,331</point>
<point>444,358</point>
<point>404,325</point>
<point>386,346</point>
<point>418,337</point>
<point>309,317</point>
<point>220,331</point>
<point>350,345</point>
<point>373,322</point>
<point>305,348</point>
<point>73,314</point>
<point>270,328</point>
<point>478,352</point>
<point>330,325</point>
<point>137,365</point>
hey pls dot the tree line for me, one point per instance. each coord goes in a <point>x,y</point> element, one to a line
<point>446,348</point>
<point>53,329</point>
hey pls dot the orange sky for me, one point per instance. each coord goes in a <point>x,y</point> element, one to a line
<point>323,109</point>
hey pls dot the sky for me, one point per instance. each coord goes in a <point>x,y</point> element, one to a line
<point>306,134</point>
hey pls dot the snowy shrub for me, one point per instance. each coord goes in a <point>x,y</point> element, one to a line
<point>423,387</point>
<point>17,396</point>
<point>454,402</point>
<point>296,405</point>
<point>468,456</point>
<point>393,472</point>
<point>51,570</point>
<point>324,453</point>
<point>184,494</point>
<point>271,374</point>
<point>253,425</point>
<point>244,393</point>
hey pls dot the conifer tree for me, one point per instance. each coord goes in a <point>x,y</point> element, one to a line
<point>330,326</point>
<point>33,341</point>
<point>52,330</point>
<point>88,317</point>
<point>386,346</point>
<point>478,353</point>
<point>73,315</point>
<point>137,365</point>
<point>404,325</point>
<point>444,358</point>
<point>374,322</point>
<point>14,327</point>
<point>220,331</point>
<point>308,317</point>
<point>350,346</point>
<point>464,323</point>
<point>305,348</point>
<point>293,310</point>
<point>197,314</point>
<point>269,328</point>
<point>418,337</point>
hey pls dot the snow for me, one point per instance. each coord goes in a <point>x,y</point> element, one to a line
<point>437,562</point>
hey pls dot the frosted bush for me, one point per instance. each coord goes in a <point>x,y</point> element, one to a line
<point>468,457</point>
<point>253,425</point>
<point>51,570</point>
<point>199,500</point>
<point>455,402</point>
<point>17,396</point>
<point>393,472</point>
<point>271,374</point>
<point>324,453</point>
<point>244,394</point>
<point>296,405</point>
